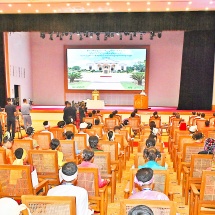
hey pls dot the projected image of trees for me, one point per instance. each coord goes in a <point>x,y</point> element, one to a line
<point>106,69</point>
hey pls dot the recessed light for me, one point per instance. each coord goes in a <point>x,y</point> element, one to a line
<point>187,8</point>
<point>29,5</point>
<point>110,9</point>
<point>167,9</point>
<point>48,5</point>
<point>128,3</point>
<point>88,4</point>
<point>9,5</point>
<point>92,10</point>
<point>148,3</point>
<point>107,3</point>
<point>189,2</point>
<point>211,2</point>
<point>67,4</point>
<point>37,11</point>
<point>1,11</point>
<point>129,9</point>
<point>206,8</point>
<point>55,11</point>
<point>169,3</point>
<point>19,11</point>
<point>148,9</point>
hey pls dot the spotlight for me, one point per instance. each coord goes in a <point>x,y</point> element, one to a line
<point>51,36</point>
<point>42,35</point>
<point>131,36</point>
<point>80,37</point>
<point>120,36</point>
<point>141,36</point>
<point>152,34</point>
<point>91,35</point>
<point>70,37</point>
<point>159,34</point>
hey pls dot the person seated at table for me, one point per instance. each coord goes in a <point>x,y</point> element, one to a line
<point>55,145</point>
<point>88,158</point>
<point>140,210</point>
<point>94,143</point>
<point>7,145</point>
<point>111,137</point>
<point>47,128</point>
<point>209,147</point>
<point>144,182</point>
<point>21,157</point>
<point>61,124</point>
<point>152,155</point>
<point>69,135</point>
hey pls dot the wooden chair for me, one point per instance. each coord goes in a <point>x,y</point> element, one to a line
<point>43,139</point>
<point>191,118</point>
<point>58,133</point>
<point>200,124</point>
<point>102,160</point>
<point>46,164</point>
<point>26,144</point>
<point>70,127</point>
<point>156,120</point>
<point>90,132</point>
<point>212,121</point>
<point>161,183</point>
<point>199,162</point>
<point>110,123</point>
<point>134,122</point>
<point>184,159</point>
<point>68,149</point>
<point>158,206</point>
<point>81,140</point>
<point>15,181</point>
<point>99,130</point>
<point>202,202</point>
<point>115,157</point>
<point>142,146</point>
<point>211,134</point>
<point>49,205</point>
<point>98,197</point>
<point>139,160</point>
<point>2,156</point>
<point>130,142</point>
<point>89,119</point>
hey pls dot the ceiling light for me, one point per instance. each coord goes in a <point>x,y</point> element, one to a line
<point>206,8</point>
<point>169,3</point>
<point>129,9</point>
<point>110,9</point>
<point>187,8</point>
<point>92,10</point>
<point>1,11</point>
<point>9,5</point>
<point>29,5</point>
<point>148,9</point>
<point>48,5</point>
<point>37,11</point>
<point>128,3</point>
<point>107,3</point>
<point>189,2</point>
<point>55,11</point>
<point>148,3</point>
<point>167,9</point>
<point>19,11</point>
<point>211,2</point>
<point>67,4</point>
<point>88,4</point>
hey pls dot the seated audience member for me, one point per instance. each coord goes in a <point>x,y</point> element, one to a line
<point>46,129</point>
<point>7,145</point>
<point>198,137</point>
<point>88,158</point>
<point>70,136</point>
<point>117,131</point>
<point>21,157</point>
<point>111,115</point>
<point>94,112</point>
<point>140,210</point>
<point>90,114</point>
<point>192,129</point>
<point>144,181</point>
<point>61,124</point>
<point>30,133</point>
<point>93,142</point>
<point>55,145</point>
<point>155,115</point>
<point>151,155</point>
<point>97,121</point>
<point>111,137</point>
<point>209,147</point>
<point>68,174</point>
<point>153,128</point>
<point>89,125</point>
<point>133,114</point>
<point>82,130</point>
<point>136,112</point>
<point>207,123</point>
<point>202,116</point>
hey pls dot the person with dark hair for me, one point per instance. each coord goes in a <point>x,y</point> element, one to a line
<point>152,136</point>
<point>89,125</point>
<point>153,128</point>
<point>69,135</point>
<point>140,210</point>
<point>193,113</point>
<point>82,110</point>
<point>25,110</point>
<point>68,175</point>
<point>7,145</point>
<point>30,134</point>
<point>152,155</point>
<point>94,112</point>
<point>61,124</point>
<point>97,121</point>
<point>111,137</point>
<point>55,145</point>
<point>47,128</point>
<point>69,112</point>
<point>207,123</point>
<point>209,147</point>
<point>93,142</point>
<point>133,114</point>
<point>202,115</point>
<point>111,115</point>
<point>126,122</point>
<point>144,181</point>
<point>90,114</point>
<point>88,158</point>
<point>11,111</point>
<point>21,157</point>
<point>150,142</point>
<point>155,115</point>
<point>198,137</point>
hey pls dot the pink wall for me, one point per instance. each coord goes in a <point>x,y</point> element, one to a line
<point>47,65</point>
<point>20,63</point>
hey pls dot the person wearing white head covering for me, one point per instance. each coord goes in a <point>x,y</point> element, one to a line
<point>68,176</point>
<point>46,129</point>
<point>83,127</point>
<point>9,206</point>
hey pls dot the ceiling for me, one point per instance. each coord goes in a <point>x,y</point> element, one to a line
<point>100,6</point>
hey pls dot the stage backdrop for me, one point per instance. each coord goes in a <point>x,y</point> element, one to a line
<point>46,61</point>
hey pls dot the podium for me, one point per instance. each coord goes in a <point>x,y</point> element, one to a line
<point>140,102</point>
<point>95,95</point>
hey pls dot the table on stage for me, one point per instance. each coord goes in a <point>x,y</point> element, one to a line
<point>140,101</point>
<point>95,104</point>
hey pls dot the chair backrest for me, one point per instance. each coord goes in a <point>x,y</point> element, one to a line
<point>120,139</point>
<point>200,123</point>
<point>63,205</point>
<point>110,123</point>
<point>211,134</point>
<point>58,133</point>
<point>184,139</point>
<point>81,140</point>
<point>15,181</point>
<point>199,162</point>
<point>142,146</point>
<point>110,146</point>
<point>159,207</point>
<point>134,122</point>
<point>212,120</point>
<point>89,119</point>
<point>91,132</point>
<point>102,160</point>
<point>70,127</point>
<point>190,149</point>
<point>207,191</point>
<point>179,133</point>
<point>68,149</point>
<point>124,133</point>
<point>161,180</point>
<point>43,139</point>
<point>46,164</point>
<point>99,130</point>
<point>175,122</point>
<point>26,144</point>
<point>156,120</point>
<point>139,160</point>
<point>2,156</point>
<point>128,128</point>
<point>191,118</point>
<point>88,179</point>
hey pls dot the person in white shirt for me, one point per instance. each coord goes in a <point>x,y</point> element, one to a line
<point>46,129</point>
<point>68,174</point>
<point>83,127</point>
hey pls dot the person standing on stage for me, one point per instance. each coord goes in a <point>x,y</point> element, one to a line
<point>25,110</point>
<point>11,111</point>
<point>68,113</point>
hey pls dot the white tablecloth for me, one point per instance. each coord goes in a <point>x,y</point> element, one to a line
<point>95,104</point>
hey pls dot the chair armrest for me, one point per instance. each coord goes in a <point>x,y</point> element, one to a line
<point>194,189</point>
<point>186,170</point>
<point>113,167</point>
<point>175,146</point>
<point>42,184</point>
<point>170,195</point>
<point>103,189</point>
<point>126,190</point>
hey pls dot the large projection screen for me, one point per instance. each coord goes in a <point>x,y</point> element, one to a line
<point>104,68</point>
